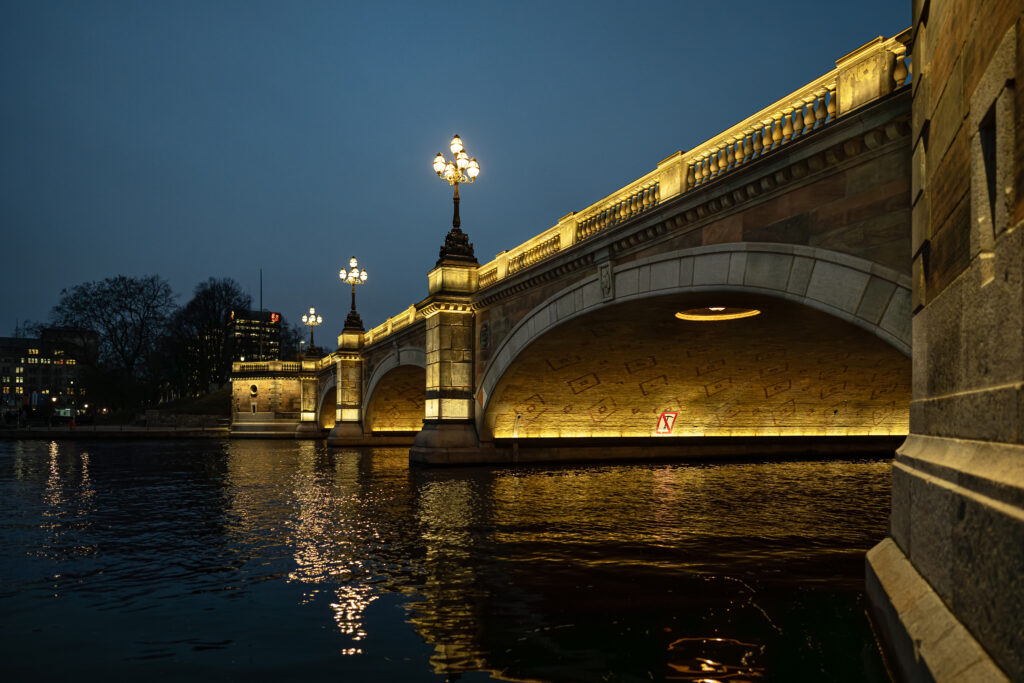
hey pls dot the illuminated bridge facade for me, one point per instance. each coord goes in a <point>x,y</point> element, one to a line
<point>801,212</point>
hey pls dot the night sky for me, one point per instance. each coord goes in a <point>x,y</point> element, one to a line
<point>198,139</point>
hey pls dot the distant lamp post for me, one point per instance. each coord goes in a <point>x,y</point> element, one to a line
<point>311,319</point>
<point>353,276</point>
<point>461,170</point>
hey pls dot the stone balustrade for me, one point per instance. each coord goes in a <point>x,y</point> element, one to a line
<point>632,200</point>
<point>264,366</point>
<point>391,325</point>
<point>534,253</point>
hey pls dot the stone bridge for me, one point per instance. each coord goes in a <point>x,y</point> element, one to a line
<point>758,285</point>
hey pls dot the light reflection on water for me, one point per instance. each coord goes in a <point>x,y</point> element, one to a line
<point>286,559</point>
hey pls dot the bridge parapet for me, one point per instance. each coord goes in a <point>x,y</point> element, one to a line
<point>863,76</point>
<point>392,325</point>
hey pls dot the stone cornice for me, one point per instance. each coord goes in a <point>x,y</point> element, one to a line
<point>447,306</point>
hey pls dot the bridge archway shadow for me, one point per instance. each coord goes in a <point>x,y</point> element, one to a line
<point>792,370</point>
<point>395,406</point>
<point>326,413</point>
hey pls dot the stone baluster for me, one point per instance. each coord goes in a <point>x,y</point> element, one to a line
<point>831,103</point>
<point>796,120</point>
<point>899,72</point>
<point>729,155</point>
<point>777,132</point>
<point>758,137</point>
<point>748,146</point>
<point>820,112</point>
<point>809,113</point>
<point>713,167</point>
<point>787,125</point>
<point>691,176</point>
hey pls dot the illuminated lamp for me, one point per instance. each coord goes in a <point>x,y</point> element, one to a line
<point>716,313</point>
<point>439,163</point>
<point>456,145</point>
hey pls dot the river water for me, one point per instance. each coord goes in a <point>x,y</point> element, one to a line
<point>282,560</point>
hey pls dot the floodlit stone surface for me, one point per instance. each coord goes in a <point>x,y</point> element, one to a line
<point>789,371</point>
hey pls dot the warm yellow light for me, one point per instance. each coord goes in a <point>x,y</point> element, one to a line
<point>456,145</point>
<point>716,314</point>
<point>439,163</point>
<point>474,168</point>
<point>462,159</point>
<point>362,276</point>
<point>342,274</point>
<point>352,263</point>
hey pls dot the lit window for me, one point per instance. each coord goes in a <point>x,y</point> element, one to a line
<point>33,361</point>
<point>33,352</point>
<point>58,352</point>
<point>7,390</point>
<point>19,380</point>
<point>7,380</point>
<point>45,361</point>
<point>18,370</point>
<point>58,361</point>
<point>71,361</point>
<point>18,390</point>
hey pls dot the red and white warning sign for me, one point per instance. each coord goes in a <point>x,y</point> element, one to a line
<point>666,421</point>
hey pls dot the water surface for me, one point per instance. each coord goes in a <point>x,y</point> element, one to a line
<point>280,560</point>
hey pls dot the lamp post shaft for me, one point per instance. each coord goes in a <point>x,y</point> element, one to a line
<point>455,200</point>
<point>353,296</point>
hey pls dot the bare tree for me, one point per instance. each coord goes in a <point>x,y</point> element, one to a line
<point>198,335</point>
<point>129,315</point>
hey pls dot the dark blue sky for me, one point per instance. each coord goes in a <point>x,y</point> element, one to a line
<point>197,139</point>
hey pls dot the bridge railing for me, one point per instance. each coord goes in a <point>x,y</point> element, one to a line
<point>391,325</point>
<point>866,74</point>
<point>265,366</point>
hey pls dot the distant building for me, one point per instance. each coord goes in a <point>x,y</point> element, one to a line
<point>35,371</point>
<point>254,335</point>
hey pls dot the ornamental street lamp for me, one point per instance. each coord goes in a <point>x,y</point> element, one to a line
<point>462,169</point>
<point>354,276</point>
<point>311,319</point>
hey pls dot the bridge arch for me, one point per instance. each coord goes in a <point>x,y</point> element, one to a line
<point>327,402</point>
<point>393,400</point>
<point>866,295</point>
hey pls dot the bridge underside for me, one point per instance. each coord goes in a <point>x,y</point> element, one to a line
<point>396,406</point>
<point>790,371</point>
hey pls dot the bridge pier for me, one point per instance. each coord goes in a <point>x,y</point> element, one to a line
<point>449,431</point>
<point>348,424</point>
